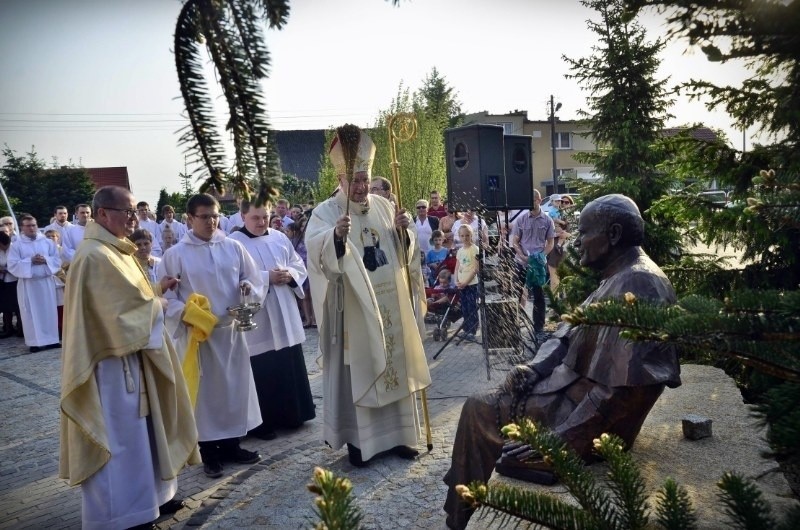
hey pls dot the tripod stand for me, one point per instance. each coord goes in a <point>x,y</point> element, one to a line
<point>507,333</point>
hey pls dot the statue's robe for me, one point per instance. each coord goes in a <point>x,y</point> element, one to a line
<point>591,381</point>
<point>371,350</point>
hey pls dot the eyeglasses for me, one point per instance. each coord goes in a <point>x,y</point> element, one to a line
<point>421,207</point>
<point>376,188</point>
<point>207,216</point>
<point>126,211</point>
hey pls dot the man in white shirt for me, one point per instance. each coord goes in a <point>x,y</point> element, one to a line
<point>170,225</point>
<point>143,216</point>
<point>61,223</point>
<point>71,237</point>
<point>282,211</point>
<point>425,225</point>
<point>34,259</point>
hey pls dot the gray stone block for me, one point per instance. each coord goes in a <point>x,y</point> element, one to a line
<point>696,427</point>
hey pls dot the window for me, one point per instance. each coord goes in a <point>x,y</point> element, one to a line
<point>508,127</point>
<point>563,140</point>
<point>566,172</point>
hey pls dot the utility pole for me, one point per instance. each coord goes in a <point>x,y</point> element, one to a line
<point>553,109</point>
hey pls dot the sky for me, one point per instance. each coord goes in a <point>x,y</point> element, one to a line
<point>93,82</point>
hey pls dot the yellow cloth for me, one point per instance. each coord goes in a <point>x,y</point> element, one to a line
<point>198,315</point>
<point>109,308</point>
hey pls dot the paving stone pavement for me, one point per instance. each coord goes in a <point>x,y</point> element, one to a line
<point>392,493</point>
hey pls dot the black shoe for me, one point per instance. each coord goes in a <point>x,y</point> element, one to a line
<point>354,455</point>
<point>36,349</point>
<point>263,434</point>
<point>52,346</point>
<point>172,506</point>
<point>405,452</point>
<point>212,469</point>
<point>241,456</point>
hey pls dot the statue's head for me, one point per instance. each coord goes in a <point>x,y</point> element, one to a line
<point>608,226</point>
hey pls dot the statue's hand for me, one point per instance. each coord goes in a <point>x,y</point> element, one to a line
<point>520,378</point>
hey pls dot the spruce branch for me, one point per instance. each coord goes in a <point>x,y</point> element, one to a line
<point>744,503</point>
<point>334,505</point>
<point>674,510</point>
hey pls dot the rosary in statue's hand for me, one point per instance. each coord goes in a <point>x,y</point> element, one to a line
<point>520,379</point>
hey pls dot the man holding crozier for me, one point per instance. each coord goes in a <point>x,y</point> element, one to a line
<point>372,354</point>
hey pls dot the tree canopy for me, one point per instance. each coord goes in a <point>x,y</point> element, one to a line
<point>628,108</point>
<point>34,188</point>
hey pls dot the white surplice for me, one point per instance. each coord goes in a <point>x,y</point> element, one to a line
<point>235,222</point>
<point>227,403</point>
<point>107,502</point>
<point>70,239</point>
<point>36,288</point>
<point>279,322</point>
<point>58,228</point>
<point>155,231</point>
<point>178,229</point>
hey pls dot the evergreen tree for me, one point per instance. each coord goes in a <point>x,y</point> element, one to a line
<point>422,163</point>
<point>439,100</point>
<point>628,107</point>
<point>176,199</point>
<point>186,186</point>
<point>33,188</point>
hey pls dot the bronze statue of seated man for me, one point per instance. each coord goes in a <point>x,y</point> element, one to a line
<point>585,380</point>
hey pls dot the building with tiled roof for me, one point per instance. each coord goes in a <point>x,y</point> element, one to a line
<point>109,176</point>
<point>698,133</point>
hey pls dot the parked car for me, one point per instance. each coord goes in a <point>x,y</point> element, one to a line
<point>716,197</point>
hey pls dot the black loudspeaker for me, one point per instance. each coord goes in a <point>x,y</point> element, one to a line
<point>519,171</point>
<point>475,168</point>
<point>502,325</point>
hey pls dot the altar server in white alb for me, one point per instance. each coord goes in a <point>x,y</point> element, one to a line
<point>34,260</point>
<point>214,270</point>
<point>72,236</point>
<point>372,354</point>
<point>276,351</point>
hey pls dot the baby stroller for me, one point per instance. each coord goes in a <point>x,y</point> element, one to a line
<point>444,308</point>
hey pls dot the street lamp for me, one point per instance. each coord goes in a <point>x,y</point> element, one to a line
<point>553,108</point>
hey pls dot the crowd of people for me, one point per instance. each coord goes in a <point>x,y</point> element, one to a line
<point>155,369</point>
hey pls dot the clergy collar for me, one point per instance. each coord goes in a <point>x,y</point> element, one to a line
<point>251,235</point>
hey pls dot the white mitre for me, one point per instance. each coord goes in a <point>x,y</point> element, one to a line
<point>352,142</point>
